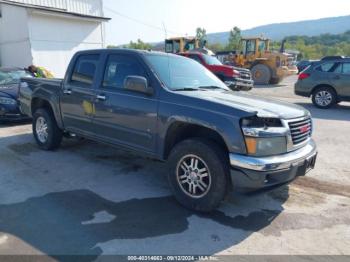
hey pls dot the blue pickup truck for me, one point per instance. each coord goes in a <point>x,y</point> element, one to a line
<point>171,108</point>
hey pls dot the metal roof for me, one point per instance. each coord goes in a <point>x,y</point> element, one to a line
<point>54,10</point>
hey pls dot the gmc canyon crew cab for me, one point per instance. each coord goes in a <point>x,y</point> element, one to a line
<point>171,108</point>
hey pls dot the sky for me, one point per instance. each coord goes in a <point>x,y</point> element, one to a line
<point>146,19</point>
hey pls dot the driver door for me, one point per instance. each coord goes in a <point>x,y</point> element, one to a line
<point>125,117</point>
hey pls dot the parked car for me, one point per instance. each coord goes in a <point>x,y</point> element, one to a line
<point>171,108</point>
<point>327,82</point>
<point>9,83</point>
<point>234,77</point>
<point>302,65</point>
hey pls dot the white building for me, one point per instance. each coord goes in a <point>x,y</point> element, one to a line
<point>48,32</point>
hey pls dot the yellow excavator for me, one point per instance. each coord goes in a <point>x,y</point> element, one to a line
<point>267,67</point>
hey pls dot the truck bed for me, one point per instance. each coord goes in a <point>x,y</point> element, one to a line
<point>39,87</point>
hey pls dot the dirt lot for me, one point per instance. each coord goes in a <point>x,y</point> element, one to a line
<point>87,198</point>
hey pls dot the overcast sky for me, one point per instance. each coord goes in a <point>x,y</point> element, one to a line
<point>144,19</point>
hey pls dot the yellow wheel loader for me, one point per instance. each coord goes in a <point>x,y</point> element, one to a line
<point>267,67</point>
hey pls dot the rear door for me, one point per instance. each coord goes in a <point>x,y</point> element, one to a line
<point>341,79</point>
<point>78,95</point>
<point>125,117</point>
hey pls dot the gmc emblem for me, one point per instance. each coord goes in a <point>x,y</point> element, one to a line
<point>304,129</point>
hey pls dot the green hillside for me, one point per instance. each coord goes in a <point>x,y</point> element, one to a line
<point>315,47</point>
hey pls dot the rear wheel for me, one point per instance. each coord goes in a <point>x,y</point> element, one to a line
<point>261,74</point>
<point>46,132</point>
<point>275,81</point>
<point>324,97</point>
<point>198,174</point>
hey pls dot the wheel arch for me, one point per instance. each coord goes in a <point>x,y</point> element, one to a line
<point>39,102</point>
<point>323,85</point>
<point>179,131</point>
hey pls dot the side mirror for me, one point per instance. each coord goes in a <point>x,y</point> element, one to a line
<point>138,84</point>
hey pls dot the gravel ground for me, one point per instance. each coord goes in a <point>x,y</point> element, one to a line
<point>90,199</point>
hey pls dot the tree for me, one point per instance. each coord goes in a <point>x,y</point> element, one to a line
<point>138,45</point>
<point>316,47</point>
<point>201,35</point>
<point>216,47</point>
<point>234,41</point>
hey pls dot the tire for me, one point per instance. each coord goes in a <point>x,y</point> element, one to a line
<point>209,186</point>
<point>46,132</point>
<point>324,97</point>
<point>261,74</point>
<point>275,81</point>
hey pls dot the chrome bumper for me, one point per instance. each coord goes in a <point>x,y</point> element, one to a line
<point>275,163</point>
<point>242,84</point>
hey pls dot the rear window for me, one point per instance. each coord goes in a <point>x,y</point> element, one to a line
<point>85,69</point>
<point>326,67</point>
<point>346,68</point>
<point>343,68</point>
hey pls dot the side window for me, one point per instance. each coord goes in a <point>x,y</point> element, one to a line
<point>346,68</point>
<point>326,67</point>
<point>85,69</point>
<point>338,69</point>
<point>196,58</point>
<point>118,67</point>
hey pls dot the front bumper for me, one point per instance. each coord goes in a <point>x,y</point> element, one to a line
<point>253,173</point>
<point>11,113</point>
<point>239,84</point>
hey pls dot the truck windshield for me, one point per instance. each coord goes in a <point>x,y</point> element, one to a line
<point>180,73</point>
<point>211,60</point>
<point>12,77</point>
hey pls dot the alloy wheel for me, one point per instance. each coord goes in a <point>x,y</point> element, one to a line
<point>41,129</point>
<point>193,176</point>
<point>323,98</point>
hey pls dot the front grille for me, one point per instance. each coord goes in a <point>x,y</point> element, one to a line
<point>245,75</point>
<point>301,130</point>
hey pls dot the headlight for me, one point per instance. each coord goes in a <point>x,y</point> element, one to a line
<point>264,136</point>
<point>7,101</point>
<point>266,146</point>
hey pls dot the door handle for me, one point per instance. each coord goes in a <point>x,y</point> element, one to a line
<point>101,97</point>
<point>336,77</point>
<point>67,91</point>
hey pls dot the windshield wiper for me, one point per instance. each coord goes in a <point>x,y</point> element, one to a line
<point>211,87</point>
<point>187,89</point>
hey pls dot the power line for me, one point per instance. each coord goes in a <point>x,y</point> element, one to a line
<point>139,21</point>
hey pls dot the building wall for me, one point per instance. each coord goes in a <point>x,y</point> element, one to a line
<point>15,49</point>
<point>54,39</point>
<point>87,7</point>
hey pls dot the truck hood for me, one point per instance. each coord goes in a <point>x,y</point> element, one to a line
<point>9,90</point>
<point>229,68</point>
<point>263,107</point>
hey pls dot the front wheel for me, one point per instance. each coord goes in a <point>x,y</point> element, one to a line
<point>198,174</point>
<point>46,132</point>
<point>261,74</point>
<point>324,97</point>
